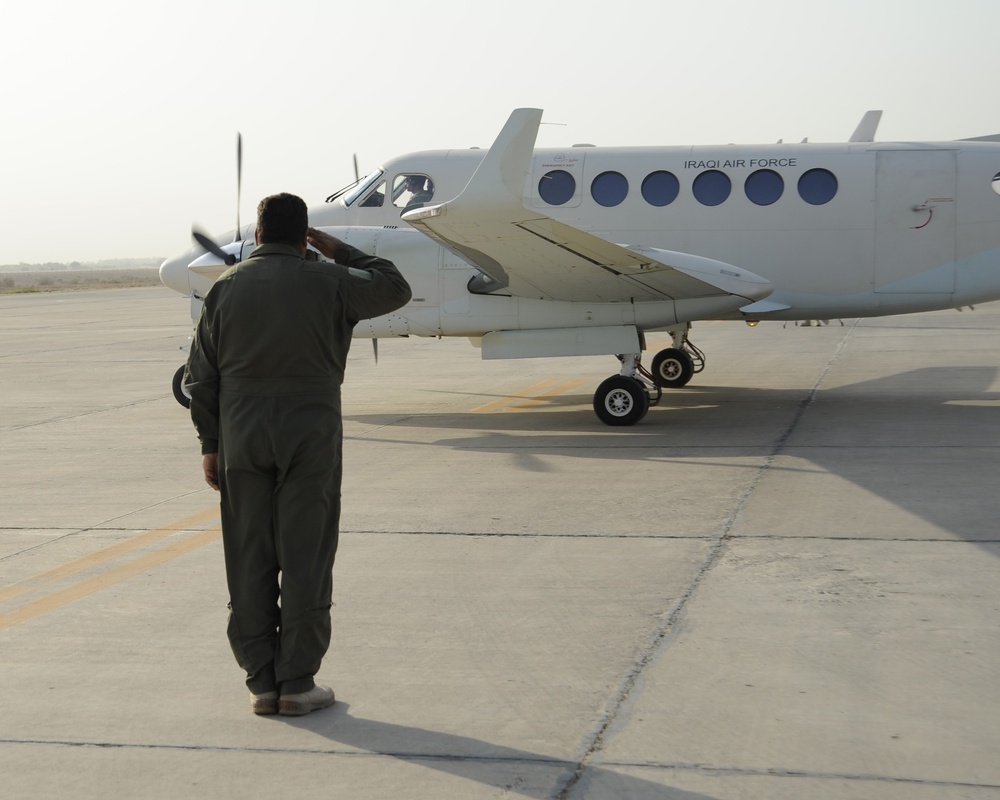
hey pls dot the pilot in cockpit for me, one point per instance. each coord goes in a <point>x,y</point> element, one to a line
<point>421,190</point>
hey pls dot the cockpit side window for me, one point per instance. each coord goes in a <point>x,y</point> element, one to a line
<point>411,190</point>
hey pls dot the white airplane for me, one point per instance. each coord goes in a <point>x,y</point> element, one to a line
<point>583,250</point>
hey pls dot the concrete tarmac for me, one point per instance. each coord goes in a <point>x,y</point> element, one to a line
<point>781,584</point>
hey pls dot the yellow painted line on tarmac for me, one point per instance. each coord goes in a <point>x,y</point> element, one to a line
<point>110,578</point>
<point>560,389</point>
<point>99,557</point>
<point>503,401</point>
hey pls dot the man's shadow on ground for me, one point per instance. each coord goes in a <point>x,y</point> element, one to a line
<point>520,773</point>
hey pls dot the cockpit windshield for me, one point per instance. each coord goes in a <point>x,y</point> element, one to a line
<point>353,191</point>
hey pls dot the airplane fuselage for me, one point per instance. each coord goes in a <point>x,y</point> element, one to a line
<point>789,232</point>
<point>909,227</point>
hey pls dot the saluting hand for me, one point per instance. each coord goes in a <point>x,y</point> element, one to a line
<point>323,242</point>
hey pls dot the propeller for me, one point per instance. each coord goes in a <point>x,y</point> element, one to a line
<point>239,180</point>
<point>202,238</point>
<point>206,242</point>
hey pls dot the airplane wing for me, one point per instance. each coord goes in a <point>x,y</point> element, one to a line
<point>526,253</point>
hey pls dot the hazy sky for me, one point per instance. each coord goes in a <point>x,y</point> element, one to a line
<point>120,117</point>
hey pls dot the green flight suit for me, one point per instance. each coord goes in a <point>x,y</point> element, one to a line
<point>264,374</point>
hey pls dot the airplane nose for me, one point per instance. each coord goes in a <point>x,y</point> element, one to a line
<point>174,273</point>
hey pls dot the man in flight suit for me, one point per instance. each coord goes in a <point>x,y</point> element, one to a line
<point>264,376</point>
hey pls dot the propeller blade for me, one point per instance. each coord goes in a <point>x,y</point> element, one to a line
<point>239,180</point>
<point>375,348</point>
<point>357,176</point>
<point>212,247</point>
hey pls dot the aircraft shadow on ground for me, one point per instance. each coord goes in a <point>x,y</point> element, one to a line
<point>520,773</point>
<point>905,438</point>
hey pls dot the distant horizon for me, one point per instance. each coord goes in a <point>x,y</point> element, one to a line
<point>78,266</point>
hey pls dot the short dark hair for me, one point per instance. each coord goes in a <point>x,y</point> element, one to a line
<point>282,219</point>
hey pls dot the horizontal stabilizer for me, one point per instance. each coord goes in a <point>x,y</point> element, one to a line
<point>994,138</point>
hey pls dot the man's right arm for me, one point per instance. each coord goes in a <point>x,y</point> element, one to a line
<point>364,298</point>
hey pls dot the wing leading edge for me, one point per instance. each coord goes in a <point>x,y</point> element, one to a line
<point>529,254</point>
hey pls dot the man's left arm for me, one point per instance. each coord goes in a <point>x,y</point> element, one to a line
<point>201,378</point>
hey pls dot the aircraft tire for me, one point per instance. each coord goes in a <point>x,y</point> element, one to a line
<point>621,400</point>
<point>177,385</point>
<point>672,368</point>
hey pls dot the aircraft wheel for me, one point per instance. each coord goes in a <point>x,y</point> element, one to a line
<point>180,393</point>
<point>672,368</point>
<point>621,400</point>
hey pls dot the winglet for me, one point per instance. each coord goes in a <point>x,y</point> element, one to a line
<point>496,189</point>
<point>505,166</point>
<point>509,159</point>
<point>865,132</point>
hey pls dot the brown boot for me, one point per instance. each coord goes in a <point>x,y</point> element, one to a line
<point>264,703</point>
<point>295,705</point>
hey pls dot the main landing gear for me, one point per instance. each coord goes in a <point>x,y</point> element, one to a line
<point>625,398</point>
